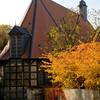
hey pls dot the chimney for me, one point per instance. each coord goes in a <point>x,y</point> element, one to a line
<point>83,9</point>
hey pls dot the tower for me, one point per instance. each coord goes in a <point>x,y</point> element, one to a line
<point>19,37</point>
<point>83,9</point>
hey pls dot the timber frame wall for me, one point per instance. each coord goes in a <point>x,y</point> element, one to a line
<point>20,75</point>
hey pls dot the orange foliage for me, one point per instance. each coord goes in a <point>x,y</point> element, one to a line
<point>77,68</point>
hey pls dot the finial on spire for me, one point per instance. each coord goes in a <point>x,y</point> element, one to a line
<point>15,22</point>
<point>82,3</point>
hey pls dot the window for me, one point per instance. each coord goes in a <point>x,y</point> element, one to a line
<point>16,46</point>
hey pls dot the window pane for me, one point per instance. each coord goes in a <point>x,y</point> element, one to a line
<point>33,75</point>
<point>33,82</point>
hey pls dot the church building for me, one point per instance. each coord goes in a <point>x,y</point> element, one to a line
<point>28,38</point>
<point>21,60</point>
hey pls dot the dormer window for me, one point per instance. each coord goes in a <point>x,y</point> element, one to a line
<point>19,37</point>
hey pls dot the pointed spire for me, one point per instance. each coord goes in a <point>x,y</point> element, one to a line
<point>83,9</point>
<point>15,22</point>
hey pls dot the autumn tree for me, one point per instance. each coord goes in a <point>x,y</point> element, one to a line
<point>77,68</point>
<point>94,17</point>
<point>96,35</point>
<point>4,29</point>
<point>75,64</point>
<point>63,37</point>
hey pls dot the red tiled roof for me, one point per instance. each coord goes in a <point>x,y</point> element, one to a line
<point>50,14</point>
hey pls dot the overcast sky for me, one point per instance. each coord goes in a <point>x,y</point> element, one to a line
<point>12,11</point>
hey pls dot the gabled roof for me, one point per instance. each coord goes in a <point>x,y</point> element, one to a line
<point>48,14</point>
<point>41,16</point>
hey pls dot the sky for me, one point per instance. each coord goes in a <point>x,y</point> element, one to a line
<point>12,11</point>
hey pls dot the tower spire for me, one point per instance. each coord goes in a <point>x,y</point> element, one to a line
<point>83,9</point>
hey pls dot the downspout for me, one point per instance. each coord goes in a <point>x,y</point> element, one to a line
<point>33,27</point>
